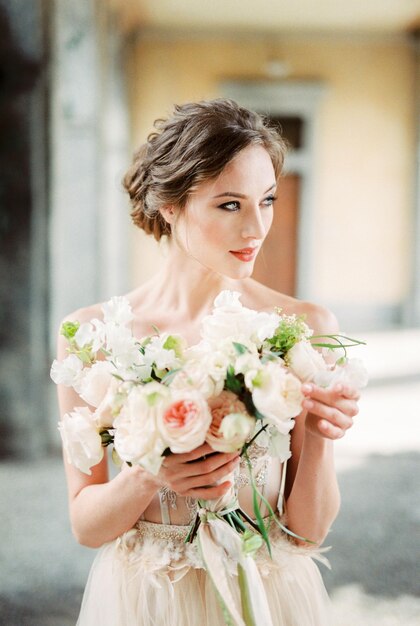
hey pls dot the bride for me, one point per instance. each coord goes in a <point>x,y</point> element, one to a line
<point>206,179</point>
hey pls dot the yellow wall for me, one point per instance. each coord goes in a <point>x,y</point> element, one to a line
<point>364,167</point>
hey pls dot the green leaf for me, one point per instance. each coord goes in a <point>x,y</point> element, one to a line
<point>339,343</point>
<point>240,348</point>
<point>232,383</point>
<point>257,512</point>
<point>166,379</point>
<point>173,343</point>
<point>250,406</point>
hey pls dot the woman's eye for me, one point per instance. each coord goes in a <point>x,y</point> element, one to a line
<point>230,206</point>
<point>269,201</point>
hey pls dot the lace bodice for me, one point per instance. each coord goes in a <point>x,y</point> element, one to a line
<point>268,475</point>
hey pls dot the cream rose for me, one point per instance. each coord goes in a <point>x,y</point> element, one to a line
<point>194,375</point>
<point>137,438</point>
<point>228,320</point>
<point>352,373</point>
<point>304,361</point>
<point>95,382</point>
<point>278,396</point>
<point>81,440</point>
<point>184,422</point>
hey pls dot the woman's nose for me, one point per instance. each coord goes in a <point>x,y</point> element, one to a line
<point>253,226</point>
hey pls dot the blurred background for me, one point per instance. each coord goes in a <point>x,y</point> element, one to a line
<point>81,82</point>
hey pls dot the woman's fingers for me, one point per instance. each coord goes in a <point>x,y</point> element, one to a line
<point>209,493</point>
<point>342,398</point>
<point>195,454</point>
<point>330,394</point>
<point>330,413</point>
<point>329,430</point>
<point>183,474</point>
<point>186,483</point>
<point>331,410</point>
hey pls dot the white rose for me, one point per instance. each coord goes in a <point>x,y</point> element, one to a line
<point>352,373</point>
<point>278,396</point>
<point>117,311</point>
<point>247,362</point>
<point>356,373</point>
<point>254,377</point>
<point>264,326</point>
<point>228,300</point>
<point>195,375</point>
<point>228,320</point>
<point>137,437</point>
<point>95,382</point>
<point>217,364</point>
<point>184,422</point>
<point>304,361</point>
<point>235,430</point>
<point>81,440</point>
<point>67,372</point>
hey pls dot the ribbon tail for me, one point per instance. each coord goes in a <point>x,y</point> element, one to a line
<point>253,595</point>
<point>214,557</point>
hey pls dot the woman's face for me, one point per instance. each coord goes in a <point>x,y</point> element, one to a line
<point>226,220</point>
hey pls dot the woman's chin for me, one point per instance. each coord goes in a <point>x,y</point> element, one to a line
<point>240,272</point>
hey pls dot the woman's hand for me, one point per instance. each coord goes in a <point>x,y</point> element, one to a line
<point>331,410</point>
<point>196,473</point>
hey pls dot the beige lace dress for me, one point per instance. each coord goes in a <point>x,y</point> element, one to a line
<point>150,577</point>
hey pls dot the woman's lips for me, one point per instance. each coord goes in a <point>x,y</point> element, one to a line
<point>246,254</point>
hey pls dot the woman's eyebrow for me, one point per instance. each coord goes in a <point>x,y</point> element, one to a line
<point>234,194</point>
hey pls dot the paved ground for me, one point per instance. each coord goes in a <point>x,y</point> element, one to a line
<point>375,574</point>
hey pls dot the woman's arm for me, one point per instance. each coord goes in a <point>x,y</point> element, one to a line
<point>312,494</point>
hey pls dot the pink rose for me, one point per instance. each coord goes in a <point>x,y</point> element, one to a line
<point>184,423</point>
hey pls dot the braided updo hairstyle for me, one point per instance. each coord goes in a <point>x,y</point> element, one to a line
<point>190,147</point>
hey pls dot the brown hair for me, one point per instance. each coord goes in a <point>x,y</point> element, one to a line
<point>190,147</point>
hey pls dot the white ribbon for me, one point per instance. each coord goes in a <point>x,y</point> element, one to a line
<point>221,551</point>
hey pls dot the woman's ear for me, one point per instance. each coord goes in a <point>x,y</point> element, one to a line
<point>168,214</point>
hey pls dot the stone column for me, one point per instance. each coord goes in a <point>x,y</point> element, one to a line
<point>89,216</point>
<point>413,308</point>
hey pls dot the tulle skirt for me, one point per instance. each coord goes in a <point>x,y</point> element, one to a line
<point>150,577</point>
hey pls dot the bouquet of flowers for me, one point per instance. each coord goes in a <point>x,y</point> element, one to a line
<point>156,395</point>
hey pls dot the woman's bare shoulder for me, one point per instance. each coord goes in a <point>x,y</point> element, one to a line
<point>318,317</point>
<point>85,314</point>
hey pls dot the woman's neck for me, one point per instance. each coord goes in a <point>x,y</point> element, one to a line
<point>186,287</point>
